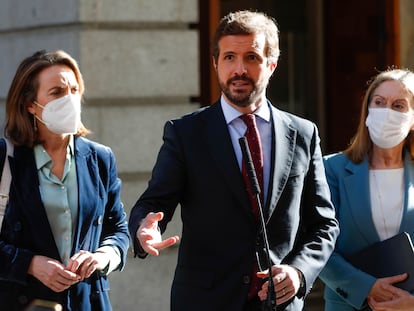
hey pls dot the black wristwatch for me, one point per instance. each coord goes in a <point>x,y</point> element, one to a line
<point>302,289</point>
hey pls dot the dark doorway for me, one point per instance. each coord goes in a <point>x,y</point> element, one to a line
<point>361,38</point>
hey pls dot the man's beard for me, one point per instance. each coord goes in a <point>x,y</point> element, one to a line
<point>241,99</point>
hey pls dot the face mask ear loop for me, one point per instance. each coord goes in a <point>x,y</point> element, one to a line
<point>38,105</point>
<point>35,116</point>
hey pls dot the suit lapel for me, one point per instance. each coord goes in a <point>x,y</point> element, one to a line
<point>358,196</point>
<point>284,141</point>
<point>88,177</point>
<point>26,188</point>
<point>220,145</point>
<point>408,211</point>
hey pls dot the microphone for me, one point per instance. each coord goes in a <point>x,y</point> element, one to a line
<point>251,172</point>
<point>254,184</point>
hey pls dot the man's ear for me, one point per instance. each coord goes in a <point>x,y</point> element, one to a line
<point>273,67</point>
<point>214,63</point>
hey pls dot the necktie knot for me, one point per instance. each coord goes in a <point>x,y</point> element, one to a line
<point>249,119</point>
<point>253,136</point>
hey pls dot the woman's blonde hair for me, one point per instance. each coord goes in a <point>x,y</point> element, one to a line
<point>19,126</point>
<point>361,145</point>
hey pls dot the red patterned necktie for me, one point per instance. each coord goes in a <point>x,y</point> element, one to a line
<point>255,147</point>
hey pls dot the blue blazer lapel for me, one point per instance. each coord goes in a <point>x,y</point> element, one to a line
<point>358,196</point>
<point>25,186</point>
<point>220,145</point>
<point>88,188</point>
<point>407,222</point>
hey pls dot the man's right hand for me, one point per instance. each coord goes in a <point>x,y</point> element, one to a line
<point>149,235</point>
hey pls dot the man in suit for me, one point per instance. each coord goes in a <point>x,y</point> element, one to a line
<point>199,166</point>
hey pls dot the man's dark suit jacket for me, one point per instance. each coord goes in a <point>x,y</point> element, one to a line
<point>197,168</point>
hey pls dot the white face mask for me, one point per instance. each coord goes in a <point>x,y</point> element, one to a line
<point>62,115</point>
<point>387,127</point>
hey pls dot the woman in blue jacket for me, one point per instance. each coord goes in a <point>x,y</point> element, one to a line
<point>65,227</point>
<point>372,187</point>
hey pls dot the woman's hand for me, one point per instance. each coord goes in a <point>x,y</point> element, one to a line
<point>378,293</point>
<point>401,300</point>
<point>52,273</point>
<point>85,263</point>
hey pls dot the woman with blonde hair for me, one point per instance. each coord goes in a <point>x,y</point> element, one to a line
<point>372,188</point>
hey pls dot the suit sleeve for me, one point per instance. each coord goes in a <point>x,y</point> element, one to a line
<point>319,227</point>
<point>115,229</point>
<point>165,188</point>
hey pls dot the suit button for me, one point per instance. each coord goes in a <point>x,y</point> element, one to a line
<point>246,279</point>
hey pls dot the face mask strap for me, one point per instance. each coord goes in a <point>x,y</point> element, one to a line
<point>35,117</point>
<point>38,105</point>
<point>40,120</point>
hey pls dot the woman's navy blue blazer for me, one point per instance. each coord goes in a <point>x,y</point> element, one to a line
<point>26,231</point>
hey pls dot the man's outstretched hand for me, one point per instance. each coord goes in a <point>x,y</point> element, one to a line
<point>149,235</point>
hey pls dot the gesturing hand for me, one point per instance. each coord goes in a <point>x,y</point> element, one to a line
<point>149,235</point>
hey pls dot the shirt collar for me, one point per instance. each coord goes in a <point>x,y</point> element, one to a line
<point>42,157</point>
<point>231,113</point>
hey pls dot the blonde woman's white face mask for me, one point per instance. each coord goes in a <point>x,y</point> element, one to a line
<point>387,128</point>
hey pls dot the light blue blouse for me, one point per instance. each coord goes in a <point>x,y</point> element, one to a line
<point>60,197</point>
